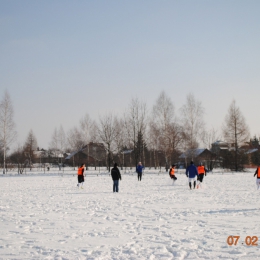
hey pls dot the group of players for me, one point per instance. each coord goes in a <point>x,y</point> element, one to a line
<point>195,174</point>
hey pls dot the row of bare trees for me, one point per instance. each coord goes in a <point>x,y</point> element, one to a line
<point>7,126</point>
<point>139,129</point>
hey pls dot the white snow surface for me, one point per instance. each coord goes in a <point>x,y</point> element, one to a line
<point>45,216</point>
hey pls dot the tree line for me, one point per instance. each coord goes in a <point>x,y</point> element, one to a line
<point>160,129</point>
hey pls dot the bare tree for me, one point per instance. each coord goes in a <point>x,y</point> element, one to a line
<point>62,141</point>
<point>209,137</point>
<point>163,123</point>
<point>7,126</point>
<point>120,138</point>
<point>55,142</point>
<point>107,134</point>
<point>128,139</point>
<point>94,133</point>
<point>193,124</point>
<point>235,130</point>
<point>87,126</point>
<point>176,139</point>
<point>74,141</point>
<point>58,143</point>
<point>136,119</point>
<point>153,143</point>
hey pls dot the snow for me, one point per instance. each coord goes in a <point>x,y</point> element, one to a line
<point>45,216</point>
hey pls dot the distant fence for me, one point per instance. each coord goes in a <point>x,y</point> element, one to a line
<point>104,171</point>
<point>90,171</point>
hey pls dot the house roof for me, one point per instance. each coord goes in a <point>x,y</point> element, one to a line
<point>75,152</point>
<point>251,151</point>
<point>219,143</point>
<point>43,153</point>
<point>193,152</point>
<point>127,151</point>
<point>38,154</point>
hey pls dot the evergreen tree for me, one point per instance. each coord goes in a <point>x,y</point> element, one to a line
<point>30,146</point>
<point>140,148</point>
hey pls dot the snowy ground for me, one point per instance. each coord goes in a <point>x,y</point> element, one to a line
<point>48,217</point>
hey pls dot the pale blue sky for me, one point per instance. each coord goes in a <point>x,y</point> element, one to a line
<point>62,59</point>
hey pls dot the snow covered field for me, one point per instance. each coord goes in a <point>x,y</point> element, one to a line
<point>48,217</point>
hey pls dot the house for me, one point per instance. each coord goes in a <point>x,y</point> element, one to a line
<point>50,156</point>
<point>219,146</point>
<point>92,154</point>
<point>201,155</point>
<point>253,158</point>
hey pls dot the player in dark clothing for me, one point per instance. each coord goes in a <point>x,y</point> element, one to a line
<point>115,174</point>
<point>139,170</point>
<point>192,173</point>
